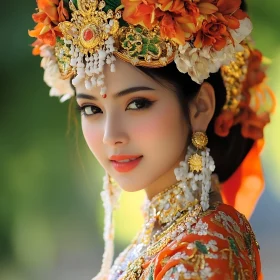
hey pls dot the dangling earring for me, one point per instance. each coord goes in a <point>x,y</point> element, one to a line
<point>195,172</point>
<point>110,197</point>
<point>200,141</point>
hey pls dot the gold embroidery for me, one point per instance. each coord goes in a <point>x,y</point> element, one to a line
<point>135,269</point>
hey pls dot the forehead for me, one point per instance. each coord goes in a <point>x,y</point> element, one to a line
<point>126,76</point>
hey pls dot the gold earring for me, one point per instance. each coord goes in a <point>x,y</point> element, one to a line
<point>199,140</point>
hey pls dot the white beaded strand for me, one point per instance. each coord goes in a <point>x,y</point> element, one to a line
<point>90,68</point>
<point>196,186</point>
<point>110,196</point>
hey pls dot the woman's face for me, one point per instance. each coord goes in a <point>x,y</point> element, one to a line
<point>138,133</point>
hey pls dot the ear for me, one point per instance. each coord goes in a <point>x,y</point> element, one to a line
<point>202,108</point>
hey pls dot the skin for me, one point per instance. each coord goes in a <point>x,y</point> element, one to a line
<point>159,132</point>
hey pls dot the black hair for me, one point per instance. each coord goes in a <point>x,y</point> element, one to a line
<point>228,152</point>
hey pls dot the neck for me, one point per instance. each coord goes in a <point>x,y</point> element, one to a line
<point>167,206</point>
<point>161,183</point>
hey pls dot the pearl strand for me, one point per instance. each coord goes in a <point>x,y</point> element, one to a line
<point>90,68</point>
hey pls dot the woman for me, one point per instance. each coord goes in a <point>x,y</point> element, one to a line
<point>173,101</point>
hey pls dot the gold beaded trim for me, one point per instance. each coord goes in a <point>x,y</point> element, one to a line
<point>234,76</point>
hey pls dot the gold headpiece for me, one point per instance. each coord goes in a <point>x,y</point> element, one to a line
<point>78,38</point>
<point>83,36</point>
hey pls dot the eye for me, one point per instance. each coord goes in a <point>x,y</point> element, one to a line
<point>139,103</point>
<point>88,110</point>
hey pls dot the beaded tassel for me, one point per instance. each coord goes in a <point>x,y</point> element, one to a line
<point>110,196</point>
<point>196,182</point>
<point>90,67</point>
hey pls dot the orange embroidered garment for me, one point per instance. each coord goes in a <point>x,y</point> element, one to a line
<point>217,244</point>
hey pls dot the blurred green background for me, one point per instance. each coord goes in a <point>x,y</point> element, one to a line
<point>51,216</point>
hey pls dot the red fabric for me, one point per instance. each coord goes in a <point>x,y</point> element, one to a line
<point>245,186</point>
<point>233,260</point>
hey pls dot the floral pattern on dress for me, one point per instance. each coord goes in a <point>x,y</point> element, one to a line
<point>228,251</point>
<point>220,245</point>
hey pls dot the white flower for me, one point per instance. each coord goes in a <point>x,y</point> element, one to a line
<point>201,228</point>
<point>199,63</point>
<point>52,77</point>
<point>206,273</point>
<point>212,244</point>
<point>193,61</point>
<point>243,31</point>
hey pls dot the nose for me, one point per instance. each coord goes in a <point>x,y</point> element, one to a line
<point>114,131</point>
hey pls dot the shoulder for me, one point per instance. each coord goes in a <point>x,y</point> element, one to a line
<point>219,245</point>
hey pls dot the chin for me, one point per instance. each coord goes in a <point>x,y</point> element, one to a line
<point>129,183</point>
<point>131,187</point>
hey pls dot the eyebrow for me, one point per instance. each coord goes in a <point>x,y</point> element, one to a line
<point>119,94</point>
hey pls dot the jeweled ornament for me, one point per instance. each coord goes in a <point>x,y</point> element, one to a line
<point>88,34</point>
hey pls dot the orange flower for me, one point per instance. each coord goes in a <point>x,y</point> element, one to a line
<point>179,22</point>
<point>220,16</point>
<point>254,124</point>
<point>46,33</point>
<point>213,33</point>
<point>170,28</point>
<point>239,14</point>
<point>63,14</point>
<point>223,123</point>
<point>192,9</point>
<point>255,73</point>
<point>37,45</point>
<point>49,7</point>
<point>51,12</point>
<point>231,11</point>
<point>139,12</point>
<point>207,8</point>
<point>227,7</point>
<point>176,18</point>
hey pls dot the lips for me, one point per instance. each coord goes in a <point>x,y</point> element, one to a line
<point>125,163</point>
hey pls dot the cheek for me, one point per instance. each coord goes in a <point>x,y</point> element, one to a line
<point>93,135</point>
<point>161,136</point>
<point>166,126</point>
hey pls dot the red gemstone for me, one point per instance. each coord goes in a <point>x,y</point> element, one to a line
<point>88,34</point>
<point>104,95</point>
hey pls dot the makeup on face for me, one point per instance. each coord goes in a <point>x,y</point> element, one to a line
<point>125,163</point>
<point>140,119</point>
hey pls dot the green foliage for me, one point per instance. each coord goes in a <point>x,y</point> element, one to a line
<point>140,46</point>
<point>233,246</point>
<point>201,247</point>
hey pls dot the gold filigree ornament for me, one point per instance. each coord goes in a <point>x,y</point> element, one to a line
<point>142,47</point>
<point>90,38</point>
<point>199,140</point>
<point>63,57</point>
<point>94,37</point>
<point>195,163</point>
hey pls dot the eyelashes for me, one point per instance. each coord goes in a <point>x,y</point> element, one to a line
<point>139,104</point>
<point>88,110</point>
<point>135,105</point>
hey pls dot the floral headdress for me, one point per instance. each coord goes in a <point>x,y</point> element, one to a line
<point>77,38</point>
<point>82,36</point>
